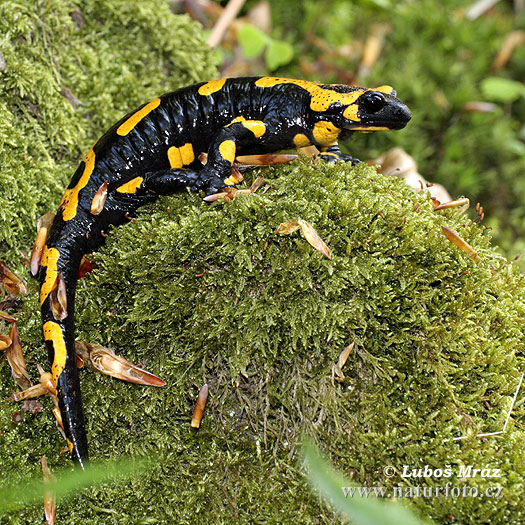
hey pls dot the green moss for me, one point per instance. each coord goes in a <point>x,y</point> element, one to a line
<point>194,293</point>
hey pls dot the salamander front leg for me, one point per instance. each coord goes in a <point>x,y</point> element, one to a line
<point>237,135</point>
<point>333,154</point>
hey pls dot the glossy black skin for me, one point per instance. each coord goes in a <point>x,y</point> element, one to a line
<point>183,117</point>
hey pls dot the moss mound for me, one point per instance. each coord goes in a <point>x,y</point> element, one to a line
<point>204,293</point>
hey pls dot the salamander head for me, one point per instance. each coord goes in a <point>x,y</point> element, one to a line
<point>360,109</point>
<point>378,109</point>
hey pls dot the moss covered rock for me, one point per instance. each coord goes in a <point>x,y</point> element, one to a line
<point>210,294</point>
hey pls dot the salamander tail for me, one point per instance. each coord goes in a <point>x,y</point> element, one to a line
<point>59,274</point>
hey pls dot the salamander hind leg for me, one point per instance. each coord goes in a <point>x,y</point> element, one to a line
<point>165,182</point>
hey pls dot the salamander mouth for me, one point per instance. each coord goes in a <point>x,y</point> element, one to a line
<point>380,125</point>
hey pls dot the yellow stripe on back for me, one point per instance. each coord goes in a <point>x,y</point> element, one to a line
<point>211,87</point>
<point>321,97</point>
<point>131,186</point>
<point>132,121</point>
<point>69,202</point>
<point>53,332</point>
<point>49,261</point>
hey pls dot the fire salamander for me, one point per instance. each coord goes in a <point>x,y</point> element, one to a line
<point>155,151</point>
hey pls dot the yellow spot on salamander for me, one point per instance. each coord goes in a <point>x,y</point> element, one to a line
<point>211,87</point>
<point>389,90</point>
<point>132,121</point>
<point>227,150</point>
<point>130,186</point>
<point>350,113</point>
<point>182,156</point>
<point>70,446</point>
<point>257,127</point>
<point>321,97</point>
<point>49,260</point>
<point>53,332</point>
<point>69,201</point>
<point>325,133</point>
<point>301,141</point>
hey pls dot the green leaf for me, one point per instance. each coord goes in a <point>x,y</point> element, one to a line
<point>68,482</point>
<point>278,54</point>
<point>252,40</point>
<point>362,510</point>
<point>502,89</point>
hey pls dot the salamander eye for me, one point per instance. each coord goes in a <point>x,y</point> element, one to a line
<point>373,102</point>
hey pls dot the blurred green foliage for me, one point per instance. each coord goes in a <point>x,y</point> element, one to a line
<point>254,42</point>
<point>361,510</point>
<point>438,61</point>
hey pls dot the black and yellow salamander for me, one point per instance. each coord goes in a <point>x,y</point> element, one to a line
<point>155,151</point>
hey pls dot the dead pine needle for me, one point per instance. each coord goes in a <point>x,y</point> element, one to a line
<point>200,405</point>
<point>455,239</point>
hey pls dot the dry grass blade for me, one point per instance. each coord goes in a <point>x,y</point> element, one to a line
<point>372,50</point>
<point>227,195</point>
<point>200,405</point>
<point>285,228</point>
<point>236,175</point>
<point>226,18</point>
<point>464,203</point>
<point>256,184</point>
<point>343,356</point>
<point>5,342</point>
<point>29,393</point>
<point>49,493</point>
<point>314,239</point>
<point>43,225</point>
<point>6,317</point>
<point>16,360</point>
<point>476,106</point>
<point>46,380</point>
<point>86,267</point>
<point>337,369</point>
<point>513,40</point>
<point>58,298</point>
<point>268,159</point>
<point>10,281</point>
<point>97,204</point>
<point>105,361</point>
<point>454,238</point>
